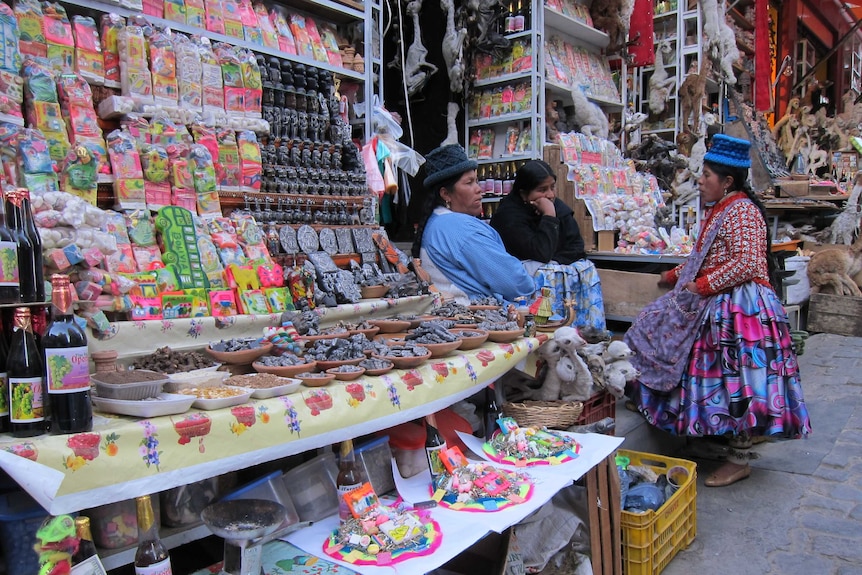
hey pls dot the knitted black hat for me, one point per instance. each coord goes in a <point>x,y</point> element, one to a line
<point>728,151</point>
<point>445,162</point>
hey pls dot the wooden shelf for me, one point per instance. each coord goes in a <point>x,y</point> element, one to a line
<point>740,19</point>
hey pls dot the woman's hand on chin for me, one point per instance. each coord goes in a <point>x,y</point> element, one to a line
<point>544,207</point>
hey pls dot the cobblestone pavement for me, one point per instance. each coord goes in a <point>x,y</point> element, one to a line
<point>800,512</point>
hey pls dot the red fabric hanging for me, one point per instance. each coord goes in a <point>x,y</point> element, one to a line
<point>641,50</point>
<point>762,61</point>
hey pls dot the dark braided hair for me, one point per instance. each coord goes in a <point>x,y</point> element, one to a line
<point>740,184</point>
<point>432,201</point>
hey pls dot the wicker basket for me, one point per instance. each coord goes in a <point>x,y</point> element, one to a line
<point>552,414</point>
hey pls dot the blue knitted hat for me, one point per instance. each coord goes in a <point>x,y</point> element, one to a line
<point>729,151</point>
<point>446,162</point>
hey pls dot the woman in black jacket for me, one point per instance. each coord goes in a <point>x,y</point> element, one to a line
<point>540,229</point>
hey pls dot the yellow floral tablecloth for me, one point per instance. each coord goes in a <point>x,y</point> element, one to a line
<point>125,457</point>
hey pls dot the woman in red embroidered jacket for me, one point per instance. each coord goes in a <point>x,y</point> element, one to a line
<point>741,378</point>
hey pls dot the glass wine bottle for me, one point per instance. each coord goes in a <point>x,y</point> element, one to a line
<point>350,477</point>
<point>518,20</point>
<point>9,283</point>
<point>26,384</point>
<point>26,259</point>
<point>36,241</point>
<point>491,412</point>
<point>67,374</point>
<point>4,385</point>
<point>151,557</point>
<point>434,446</point>
<point>86,554</point>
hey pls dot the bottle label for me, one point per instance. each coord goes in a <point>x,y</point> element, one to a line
<point>343,507</point>
<point>89,566</point>
<point>8,264</point>
<point>27,401</point>
<point>160,568</point>
<point>4,394</point>
<point>435,459</point>
<point>67,369</point>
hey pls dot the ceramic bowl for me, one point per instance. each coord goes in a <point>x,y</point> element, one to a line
<point>317,379</point>
<point>346,375</point>
<point>243,356</point>
<point>470,338</point>
<point>405,362</point>
<point>284,370</point>
<point>505,336</point>
<point>310,339</point>
<point>373,292</point>
<point>441,349</point>
<point>390,325</point>
<point>324,365</point>
<point>378,370</point>
<point>369,332</point>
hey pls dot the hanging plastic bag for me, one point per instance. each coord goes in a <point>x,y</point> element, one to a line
<point>372,170</point>
<point>383,122</point>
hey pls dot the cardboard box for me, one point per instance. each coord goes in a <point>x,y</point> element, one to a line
<point>838,314</point>
<point>626,293</point>
<point>606,240</point>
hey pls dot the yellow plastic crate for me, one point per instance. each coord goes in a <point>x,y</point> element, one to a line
<point>652,539</point>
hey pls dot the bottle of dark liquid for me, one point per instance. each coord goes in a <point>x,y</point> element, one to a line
<point>26,384</point>
<point>350,477</point>
<point>4,385</point>
<point>491,412</point>
<point>518,21</point>
<point>67,373</point>
<point>86,548</point>
<point>26,258</point>
<point>9,282</point>
<point>151,557</point>
<point>526,13</point>
<point>36,241</point>
<point>434,446</point>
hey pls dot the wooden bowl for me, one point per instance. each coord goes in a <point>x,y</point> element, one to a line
<point>284,370</point>
<point>483,307</point>
<point>505,336</point>
<point>346,375</point>
<point>380,371</point>
<point>470,342</point>
<point>315,379</point>
<point>397,338</point>
<point>373,292</point>
<point>325,365</point>
<point>441,349</point>
<point>243,356</point>
<point>390,325</point>
<point>405,362</point>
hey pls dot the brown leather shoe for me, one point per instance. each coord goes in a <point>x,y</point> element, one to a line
<point>728,474</point>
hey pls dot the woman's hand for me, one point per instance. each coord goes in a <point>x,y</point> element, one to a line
<point>544,207</point>
<point>692,287</point>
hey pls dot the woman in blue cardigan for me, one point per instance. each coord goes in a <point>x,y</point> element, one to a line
<point>464,256</point>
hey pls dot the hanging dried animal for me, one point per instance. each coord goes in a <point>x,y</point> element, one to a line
<point>453,48</point>
<point>451,124</point>
<point>417,69</point>
<point>691,93</point>
<point>720,38</point>
<point>660,83</point>
<point>614,17</point>
<point>482,16</point>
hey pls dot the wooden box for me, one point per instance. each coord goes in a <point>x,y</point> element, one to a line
<point>838,314</point>
<point>791,188</point>
<point>603,498</point>
<point>606,241</point>
<point>626,293</point>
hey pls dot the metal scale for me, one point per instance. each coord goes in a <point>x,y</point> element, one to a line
<point>245,525</point>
